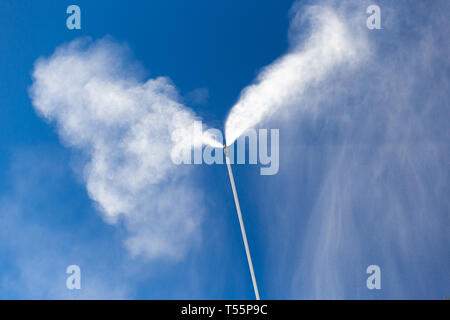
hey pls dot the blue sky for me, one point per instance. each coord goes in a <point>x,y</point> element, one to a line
<point>363,177</point>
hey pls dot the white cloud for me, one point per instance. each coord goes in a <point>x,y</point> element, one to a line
<point>365,176</point>
<point>127,128</point>
<point>282,83</point>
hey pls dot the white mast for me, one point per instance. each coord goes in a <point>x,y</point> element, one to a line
<point>241,222</point>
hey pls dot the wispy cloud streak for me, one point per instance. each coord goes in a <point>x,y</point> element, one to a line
<point>365,168</point>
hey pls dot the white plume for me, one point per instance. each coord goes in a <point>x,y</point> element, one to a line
<point>127,129</point>
<point>283,82</point>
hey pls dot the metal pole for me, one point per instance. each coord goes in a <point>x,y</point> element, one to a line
<point>241,222</point>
